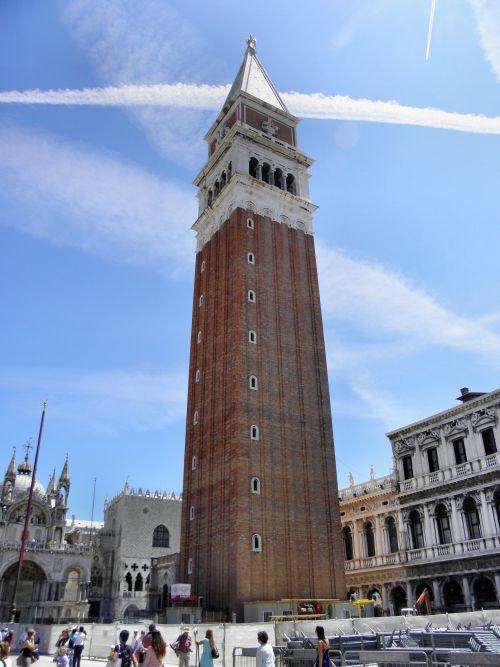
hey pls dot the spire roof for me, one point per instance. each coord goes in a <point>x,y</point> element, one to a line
<point>64,472</point>
<point>52,482</point>
<point>11,470</point>
<point>253,79</point>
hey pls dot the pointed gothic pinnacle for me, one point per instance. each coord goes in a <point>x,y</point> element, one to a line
<point>251,43</point>
<point>11,470</point>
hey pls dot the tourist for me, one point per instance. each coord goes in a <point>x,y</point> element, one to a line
<point>4,654</point>
<point>8,637</point>
<point>156,652</point>
<point>62,657</point>
<point>322,658</point>
<point>146,642</point>
<point>265,653</point>
<point>140,651</point>
<point>183,647</point>
<point>71,644</point>
<point>26,655</point>
<point>209,649</point>
<point>80,638</point>
<point>123,652</point>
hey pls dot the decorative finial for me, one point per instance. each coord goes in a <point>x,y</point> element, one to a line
<point>372,472</point>
<point>351,479</point>
<point>27,447</point>
<point>44,404</point>
<point>251,43</point>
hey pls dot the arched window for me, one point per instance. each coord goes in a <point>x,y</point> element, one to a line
<point>369,539</point>
<point>191,513</point>
<point>472,518</point>
<point>256,543</point>
<point>196,417</point>
<point>254,432</point>
<point>139,584</point>
<point>197,375</point>
<point>223,179</point>
<point>290,184</point>
<point>128,581</point>
<point>210,198</point>
<point>255,485</point>
<point>443,525</point>
<point>250,258</point>
<point>392,534</point>
<point>252,337</point>
<point>203,266</point>
<point>250,224</point>
<point>253,383</point>
<point>251,296</point>
<point>416,530</point>
<point>278,178</point>
<point>161,536</point>
<point>229,171</point>
<point>347,539</point>
<point>200,300</point>
<point>252,167</point>
<point>193,463</point>
<point>216,189</point>
<point>198,337</point>
<point>190,566</point>
<point>266,172</point>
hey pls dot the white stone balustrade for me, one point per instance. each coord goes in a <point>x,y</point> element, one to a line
<point>450,473</point>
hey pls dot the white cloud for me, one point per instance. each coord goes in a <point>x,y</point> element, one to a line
<point>95,202</point>
<point>314,105</point>
<point>487,14</point>
<point>130,42</point>
<point>367,293</point>
<point>105,402</point>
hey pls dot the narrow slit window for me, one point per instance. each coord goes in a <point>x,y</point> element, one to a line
<point>250,223</point>
<point>251,296</point>
<point>255,485</point>
<point>198,338</point>
<point>190,566</point>
<point>197,375</point>
<point>250,258</point>
<point>200,300</point>
<point>196,417</point>
<point>256,543</point>
<point>203,266</point>
<point>193,463</point>
<point>253,383</point>
<point>191,513</point>
<point>252,337</point>
<point>254,432</point>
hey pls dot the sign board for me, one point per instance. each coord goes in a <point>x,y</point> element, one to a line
<point>180,590</point>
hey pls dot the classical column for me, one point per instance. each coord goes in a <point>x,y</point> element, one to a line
<point>358,552</point>
<point>438,603</point>
<point>428,532</point>
<point>467,594</point>
<point>409,594</point>
<point>455,520</point>
<point>378,536</point>
<point>497,586</point>
<point>386,602</point>
<point>402,535</point>
<point>487,528</point>
<point>258,171</point>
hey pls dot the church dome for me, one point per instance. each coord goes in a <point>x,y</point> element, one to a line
<point>23,483</point>
<point>24,468</point>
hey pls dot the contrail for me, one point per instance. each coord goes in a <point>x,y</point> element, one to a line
<point>205,97</point>
<point>429,34</point>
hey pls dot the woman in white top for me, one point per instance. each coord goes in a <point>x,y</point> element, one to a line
<point>5,661</point>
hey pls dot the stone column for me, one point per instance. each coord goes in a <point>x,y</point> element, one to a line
<point>467,594</point>
<point>409,594</point>
<point>485,515</point>
<point>379,542</point>
<point>402,534</point>
<point>355,540</point>
<point>455,520</point>
<point>428,532</point>
<point>438,603</point>
<point>386,602</point>
<point>258,172</point>
<point>497,585</point>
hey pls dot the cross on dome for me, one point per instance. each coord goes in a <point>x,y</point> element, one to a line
<point>251,43</point>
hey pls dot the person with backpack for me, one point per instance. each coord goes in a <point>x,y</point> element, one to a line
<point>183,647</point>
<point>156,652</point>
<point>123,652</point>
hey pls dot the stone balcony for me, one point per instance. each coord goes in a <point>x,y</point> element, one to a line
<point>377,485</point>
<point>451,473</point>
<point>456,549</point>
<point>375,561</point>
<point>47,547</point>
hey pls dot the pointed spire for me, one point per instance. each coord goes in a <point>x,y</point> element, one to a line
<point>64,478</point>
<point>11,470</point>
<point>52,483</point>
<point>253,79</point>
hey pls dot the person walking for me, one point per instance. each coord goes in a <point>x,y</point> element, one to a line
<point>123,652</point>
<point>265,653</point>
<point>146,642</point>
<point>183,647</point>
<point>209,649</point>
<point>5,660</point>
<point>80,638</point>
<point>156,652</point>
<point>140,651</point>
<point>322,657</point>
<point>26,655</point>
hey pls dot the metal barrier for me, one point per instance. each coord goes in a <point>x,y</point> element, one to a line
<point>463,659</point>
<point>246,656</point>
<point>394,658</point>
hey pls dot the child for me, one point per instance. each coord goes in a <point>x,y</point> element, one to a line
<point>62,657</point>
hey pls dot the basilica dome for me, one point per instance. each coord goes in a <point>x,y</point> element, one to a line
<point>23,483</point>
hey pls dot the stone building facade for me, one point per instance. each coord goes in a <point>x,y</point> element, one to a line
<point>259,459</point>
<point>442,508</point>
<point>139,528</point>
<point>56,569</point>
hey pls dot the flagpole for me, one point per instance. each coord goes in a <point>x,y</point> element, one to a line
<point>13,610</point>
<point>92,513</point>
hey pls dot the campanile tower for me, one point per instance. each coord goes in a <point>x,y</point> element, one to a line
<point>260,516</point>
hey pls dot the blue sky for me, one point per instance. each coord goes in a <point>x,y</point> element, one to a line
<point>96,204</point>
